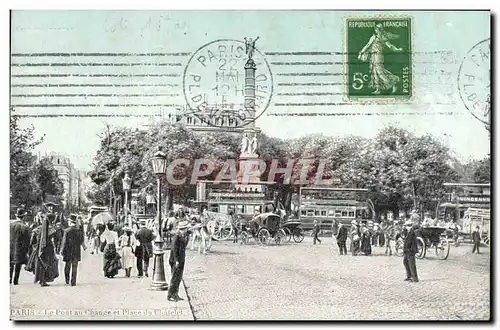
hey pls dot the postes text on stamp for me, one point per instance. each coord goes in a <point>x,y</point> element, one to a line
<point>378,58</point>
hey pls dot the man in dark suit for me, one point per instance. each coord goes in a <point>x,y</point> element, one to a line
<point>71,251</point>
<point>19,245</point>
<point>476,239</point>
<point>177,260</point>
<point>342,239</point>
<point>410,248</point>
<point>145,237</point>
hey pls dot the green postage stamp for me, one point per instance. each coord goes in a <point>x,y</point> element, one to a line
<point>378,58</point>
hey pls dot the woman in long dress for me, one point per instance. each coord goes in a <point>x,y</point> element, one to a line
<point>43,261</point>
<point>366,244</point>
<point>380,78</point>
<point>127,244</point>
<point>111,257</point>
<point>355,238</point>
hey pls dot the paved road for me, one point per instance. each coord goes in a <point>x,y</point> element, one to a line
<point>95,297</point>
<point>302,281</point>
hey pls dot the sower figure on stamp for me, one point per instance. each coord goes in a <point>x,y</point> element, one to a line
<point>19,245</point>
<point>177,260</point>
<point>380,78</point>
<point>410,248</point>
<point>342,239</point>
<point>476,240</point>
<point>71,250</point>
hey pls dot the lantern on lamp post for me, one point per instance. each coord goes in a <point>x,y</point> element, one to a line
<point>127,183</point>
<point>159,162</point>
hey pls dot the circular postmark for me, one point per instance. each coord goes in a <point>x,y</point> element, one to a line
<point>214,83</point>
<point>474,81</point>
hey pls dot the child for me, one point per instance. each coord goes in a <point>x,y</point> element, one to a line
<point>476,239</point>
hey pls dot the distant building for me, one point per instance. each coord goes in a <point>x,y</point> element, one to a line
<point>74,181</point>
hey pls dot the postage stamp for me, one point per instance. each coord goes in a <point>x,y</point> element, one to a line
<point>378,57</point>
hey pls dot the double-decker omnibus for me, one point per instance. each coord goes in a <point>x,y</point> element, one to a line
<point>327,204</point>
<point>245,199</point>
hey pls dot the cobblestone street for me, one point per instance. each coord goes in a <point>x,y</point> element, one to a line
<point>303,281</point>
<point>95,297</point>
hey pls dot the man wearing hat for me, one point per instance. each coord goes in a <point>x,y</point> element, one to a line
<point>410,248</point>
<point>342,239</point>
<point>177,260</point>
<point>19,245</point>
<point>145,237</point>
<point>71,251</point>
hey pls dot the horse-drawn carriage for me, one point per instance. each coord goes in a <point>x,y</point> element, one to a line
<point>428,238</point>
<point>293,229</point>
<point>264,228</point>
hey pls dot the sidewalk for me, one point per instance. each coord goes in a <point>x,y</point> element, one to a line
<point>95,297</point>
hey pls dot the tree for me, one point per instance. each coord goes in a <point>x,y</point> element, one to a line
<point>48,180</point>
<point>24,190</point>
<point>482,173</point>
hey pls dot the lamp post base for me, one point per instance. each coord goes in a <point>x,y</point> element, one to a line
<point>159,282</point>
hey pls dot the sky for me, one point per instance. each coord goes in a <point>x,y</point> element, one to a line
<point>126,82</point>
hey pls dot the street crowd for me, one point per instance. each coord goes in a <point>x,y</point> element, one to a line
<point>41,243</point>
<point>124,246</point>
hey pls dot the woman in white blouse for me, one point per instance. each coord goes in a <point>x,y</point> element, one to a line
<point>127,244</point>
<point>111,258</point>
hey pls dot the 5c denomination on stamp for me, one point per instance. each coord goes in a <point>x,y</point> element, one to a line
<point>378,58</point>
<point>474,80</point>
<point>214,82</point>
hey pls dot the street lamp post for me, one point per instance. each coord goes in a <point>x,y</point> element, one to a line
<point>159,283</point>
<point>127,182</point>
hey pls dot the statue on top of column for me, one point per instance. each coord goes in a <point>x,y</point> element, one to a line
<point>245,143</point>
<point>253,145</point>
<point>250,46</point>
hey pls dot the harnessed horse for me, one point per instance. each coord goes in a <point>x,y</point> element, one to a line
<point>203,228</point>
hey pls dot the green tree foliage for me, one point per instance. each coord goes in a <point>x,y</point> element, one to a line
<point>401,170</point>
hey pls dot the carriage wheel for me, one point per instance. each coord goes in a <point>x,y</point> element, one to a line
<point>443,248</point>
<point>398,247</point>
<point>486,241</point>
<point>225,232</point>
<point>422,248</point>
<point>288,234</point>
<point>263,236</point>
<point>298,235</point>
<point>244,238</point>
<point>280,236</point>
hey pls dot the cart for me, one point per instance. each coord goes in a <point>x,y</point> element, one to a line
<point>431,237</point>
<point>264,228</point>
<point>293,229</point>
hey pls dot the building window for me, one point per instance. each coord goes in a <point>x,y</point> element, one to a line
<point>344,213</point>
<point>189,120</point>
<point>303,212</point>
<point>310,213</point>
<point>316,213</point>
<point>323,213</point>
<point>351,214</point>
<point>338,213</point>
<point>331,213</point>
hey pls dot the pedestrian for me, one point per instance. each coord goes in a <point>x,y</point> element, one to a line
<point>366,244</point>
<point>145,238</point>
<point>381,233</point>
<point>410,248</point>
<point>43,262</point>
<point>389,236</point>
<point>456,231</point>
<point>355,238</point>
<point>19,244</point>
<point>342,238</point>
<point>177,260</point>
<point>127,244</point>
<point>71,252</point>
<point>476,239</point>
<point>375,236</point>
<point>235,223</point>
<point>335,228</point>
<point>111,258</point>
<point>315,232</point>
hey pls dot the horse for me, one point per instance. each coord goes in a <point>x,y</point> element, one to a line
<point>204,229</point>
